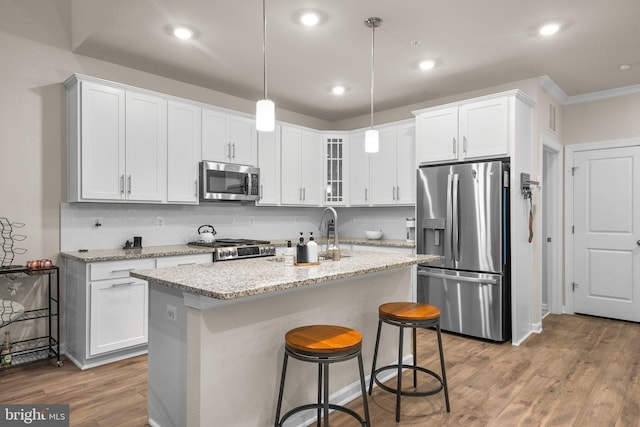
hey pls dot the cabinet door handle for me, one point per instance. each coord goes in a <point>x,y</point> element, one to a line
<point>394,193</point>
<point>129,184</point>
<point>186,263</point>
<point>300,193</point>
<point>122,184</point>
<point>464,144</point>
<point>122,269</point>
<point>366,194</point>
<point>196,185</point>
<point>304,193</point>
<point>261,191</point>
<point>454,145</point>
<point>234,150</point>
<point>122,285</point>
<point>397,193</point>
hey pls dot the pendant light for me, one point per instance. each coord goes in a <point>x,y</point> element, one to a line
<point>371,138</point>
<point>265,108</point>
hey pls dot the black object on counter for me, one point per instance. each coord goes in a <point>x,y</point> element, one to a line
<point>302,254</point>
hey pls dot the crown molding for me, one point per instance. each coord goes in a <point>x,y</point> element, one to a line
<point>558,94</point>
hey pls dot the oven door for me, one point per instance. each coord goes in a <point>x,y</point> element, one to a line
<point>226,181</point>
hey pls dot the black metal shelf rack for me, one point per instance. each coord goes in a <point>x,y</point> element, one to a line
<point>46,346</point>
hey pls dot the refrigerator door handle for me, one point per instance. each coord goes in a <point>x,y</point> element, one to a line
<point>448,243</point>
<point>456,223</point>
<point>459,278</point>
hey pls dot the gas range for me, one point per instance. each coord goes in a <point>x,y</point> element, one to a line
<point>231,249</point>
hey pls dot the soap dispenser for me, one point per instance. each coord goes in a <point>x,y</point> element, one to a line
<point>302,255</point>
<point>312,249</point>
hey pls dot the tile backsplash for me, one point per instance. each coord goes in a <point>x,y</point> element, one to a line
<point>177,224</point>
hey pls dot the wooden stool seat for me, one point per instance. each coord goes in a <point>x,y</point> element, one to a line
<point>323,339</point>
<point>323,345</point>
<point>409,311</point>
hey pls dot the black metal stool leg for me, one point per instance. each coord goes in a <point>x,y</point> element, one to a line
<point>364,391</point>
<point>444,375</point>
<point>415,356</point>
<point>399,389</point>
<point>375,357</point>
<point>284,372</point>
<point>326,395</point>
<point>319,411</point>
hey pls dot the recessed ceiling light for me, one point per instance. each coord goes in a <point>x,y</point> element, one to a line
<point>549,29</point>
<point>338,90</point>
<point>309,19</point>
<point>427,64</point>
<point>625,67</point>
<point>183,33</point>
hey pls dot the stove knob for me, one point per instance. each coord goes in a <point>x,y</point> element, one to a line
<point>272,250</point>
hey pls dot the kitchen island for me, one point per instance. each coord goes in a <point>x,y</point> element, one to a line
<point>216,332</point>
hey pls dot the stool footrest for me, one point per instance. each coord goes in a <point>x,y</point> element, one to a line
<point>407,392</point>
<point>321,406</point>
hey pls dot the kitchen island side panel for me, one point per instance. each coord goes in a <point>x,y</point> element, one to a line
<point>234,350</point>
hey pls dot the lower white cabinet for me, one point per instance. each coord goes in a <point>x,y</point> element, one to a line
<point>118,313</point>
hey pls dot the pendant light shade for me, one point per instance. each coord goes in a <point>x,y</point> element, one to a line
<point>371,140</point>
<point>265,115</point>
<point>265,108</point>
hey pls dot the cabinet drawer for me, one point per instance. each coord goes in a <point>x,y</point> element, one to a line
<point>173,261</point>
<point>118,269</point>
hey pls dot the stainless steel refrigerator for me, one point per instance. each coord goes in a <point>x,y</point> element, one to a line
<point>463,215</point>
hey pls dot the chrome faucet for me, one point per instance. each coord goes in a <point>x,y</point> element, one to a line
<point>332,226</point>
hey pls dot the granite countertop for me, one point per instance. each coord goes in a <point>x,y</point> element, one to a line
<point>242,278</point>
<point>95,255</point>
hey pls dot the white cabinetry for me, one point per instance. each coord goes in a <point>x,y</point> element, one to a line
<point>335,148</point>
<point>301,167</point>
<point>358,171</point>
<point>269,164</point>
<point>474,129</point>
<point>106,310</point>
<point>183,148</point>
<point>117,143</point>
<point>388,176</point>
<point>228,138</point>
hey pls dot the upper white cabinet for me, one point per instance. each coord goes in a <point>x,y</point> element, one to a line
<point>335,160</point>
<point>301,167</point>
<point>269,164</point>
<point>388,176</point>
<point>474,129</point>
<point>392,169</point>
<point>183,147</point>
<point>358,171</point>
<point>117,143</point>
<point>228,138</point>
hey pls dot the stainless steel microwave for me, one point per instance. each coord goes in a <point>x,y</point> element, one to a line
<point>228,181</point>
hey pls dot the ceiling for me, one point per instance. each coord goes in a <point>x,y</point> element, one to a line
<point>476,44</point>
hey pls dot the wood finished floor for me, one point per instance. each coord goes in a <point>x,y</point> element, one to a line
<point>581,371</point>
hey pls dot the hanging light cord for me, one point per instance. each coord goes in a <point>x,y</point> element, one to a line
<point>264,47</point>
<point>373,44</point>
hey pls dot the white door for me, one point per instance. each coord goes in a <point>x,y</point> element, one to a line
<point>484,128</point>
<point>437,135</point>
<point>406,167</point>
<point>358,171</point>
<point>242,137</point>
<point>311,155</point>
<point>291,189</point>
<point>269,163</point>
<point>606,210</point>
<point>383,169</point>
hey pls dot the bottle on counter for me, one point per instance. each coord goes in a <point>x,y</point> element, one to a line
<point>5,353</point>
<point>312,249</point>
<point>302,255</point>
<point>288,254</point>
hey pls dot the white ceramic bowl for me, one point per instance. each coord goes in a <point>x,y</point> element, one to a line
<point>373,235</point>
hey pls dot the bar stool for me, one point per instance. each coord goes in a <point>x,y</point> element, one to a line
<point>323,344</point>
<point>409,315</point>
